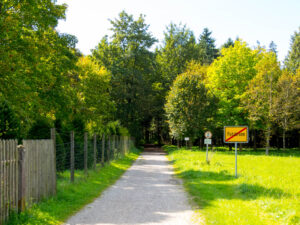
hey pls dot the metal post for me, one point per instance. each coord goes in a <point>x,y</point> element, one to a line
<point>206,153</point>
<point>235,159</point>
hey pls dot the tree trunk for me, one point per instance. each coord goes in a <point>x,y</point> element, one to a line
<point>268,140</point>
<point>277,140</point>
<point>201,143</point>
<point>254,140</point>
<point>283,139</point>
<point>147,135</point>
<point>158,130</point>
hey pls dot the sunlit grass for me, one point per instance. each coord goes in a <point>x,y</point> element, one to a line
<point>72,197</point>
<point>267,190</point>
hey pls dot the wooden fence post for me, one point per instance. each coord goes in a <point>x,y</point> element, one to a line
<point>85,152</point>
<point>113,147</point>
<point>95,151</point>
<point>108,149</point>
<point>103,149</point>
<point>21,179</point>
<point>72,157</point>
<point>122,144</point>
<point>53,137</point>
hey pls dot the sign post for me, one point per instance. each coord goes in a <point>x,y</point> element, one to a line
<point>235,144</point>
<point>186,140</point>
<point>207,141</point>
<point>236,134</point>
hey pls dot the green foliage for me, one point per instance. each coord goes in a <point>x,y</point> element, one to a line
<point>123,86</point>
<point>128,58</point>
<point>9,124</point>
<point>286,102</point>
<point>228,78</point>
<point>265,192</point>
<point>273,48</point>
<point>190,106</point>
<point>93,93</point>
<point>228,43</point>
<point>286,107</point>
<point>39,130</point>
<point>34,59</point>
<point>179,47</point>
<point>207,49</point>
<point>292,61</point>
<point>260,93</point>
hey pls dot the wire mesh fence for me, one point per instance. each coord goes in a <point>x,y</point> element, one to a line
<point>83,152</point>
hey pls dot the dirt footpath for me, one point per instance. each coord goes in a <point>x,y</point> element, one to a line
<point>146,194</point>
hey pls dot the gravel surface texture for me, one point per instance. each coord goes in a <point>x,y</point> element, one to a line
<point>147,194</point>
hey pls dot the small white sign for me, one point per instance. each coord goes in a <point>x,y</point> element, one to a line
<point>207,141</point>
<point>208,134</point>
<point>186,138</point>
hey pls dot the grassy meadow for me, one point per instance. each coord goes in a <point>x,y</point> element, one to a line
<point>267,190</point>
<point>70,197</point>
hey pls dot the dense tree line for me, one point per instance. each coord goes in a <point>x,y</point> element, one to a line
<point>250,88</point>
<point>182,88</point>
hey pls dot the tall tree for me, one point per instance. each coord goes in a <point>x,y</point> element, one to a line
<point>207,49</point>
<point>273,47</point>
<point>260,94</point>
<point>286,102</point>
<point>292,61</point>
<point>129,59</point>
<point>190,105</point>
<point>179,47</point>
<point>228,43</point>
<point>228,77</point>
<point>93,92</point>
<point>34,59</point>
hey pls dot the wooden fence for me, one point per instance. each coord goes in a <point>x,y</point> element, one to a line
<point>8,177</point>
<point>26,177</point>
<point>40,171</point>
<point>28,172</point>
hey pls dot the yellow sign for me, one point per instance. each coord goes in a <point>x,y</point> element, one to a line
<point>236,134</point>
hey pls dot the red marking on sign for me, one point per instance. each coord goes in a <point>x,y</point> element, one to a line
<point>236,134</point>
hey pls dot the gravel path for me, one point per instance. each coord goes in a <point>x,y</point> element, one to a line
<point>146,194</point>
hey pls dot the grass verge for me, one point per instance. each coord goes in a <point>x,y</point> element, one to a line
<point>265,192</point>
<point>71,198</point>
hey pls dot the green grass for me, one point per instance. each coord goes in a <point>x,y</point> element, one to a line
<point>267,190</point>
<point>72,197</point>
